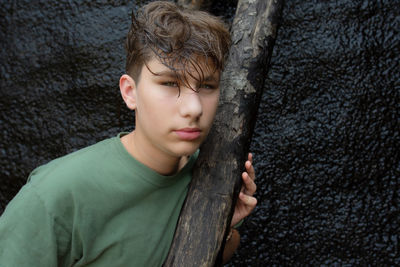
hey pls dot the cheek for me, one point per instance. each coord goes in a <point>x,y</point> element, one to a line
<point>210,107</point>
<point>153,103</point>
<point>160,112</point>
<point>213,103</point>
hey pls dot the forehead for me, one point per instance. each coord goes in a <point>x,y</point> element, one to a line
<point>197,68</point>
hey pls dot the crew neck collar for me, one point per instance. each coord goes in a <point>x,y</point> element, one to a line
<point>147,173</point>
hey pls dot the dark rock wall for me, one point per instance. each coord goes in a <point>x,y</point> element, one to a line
<point>60,66</point>
<point>326,142</point>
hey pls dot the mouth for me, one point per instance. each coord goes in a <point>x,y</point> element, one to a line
<point>188,134</point>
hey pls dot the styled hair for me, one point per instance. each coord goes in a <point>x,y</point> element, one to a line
<point>178,38</point>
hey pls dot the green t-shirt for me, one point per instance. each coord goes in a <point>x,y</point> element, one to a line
<point>95,207</point>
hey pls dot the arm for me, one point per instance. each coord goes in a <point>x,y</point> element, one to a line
<point>244,206</point>
<point>26,232</point>
<point>231,245</point>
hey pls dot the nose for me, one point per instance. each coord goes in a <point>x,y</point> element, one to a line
<point>190,104</point>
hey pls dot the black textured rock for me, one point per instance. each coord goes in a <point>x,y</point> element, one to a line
<point>327,144</point>
<point>327,137</point>
<point>60,65</point>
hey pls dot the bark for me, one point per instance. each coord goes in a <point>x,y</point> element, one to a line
<point>205,217</point>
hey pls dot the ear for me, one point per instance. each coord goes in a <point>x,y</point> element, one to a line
<point>127,86</point>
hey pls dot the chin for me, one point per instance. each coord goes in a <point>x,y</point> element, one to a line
<point>186,150</point>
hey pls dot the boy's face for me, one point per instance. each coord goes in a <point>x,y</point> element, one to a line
<point>173,120</point>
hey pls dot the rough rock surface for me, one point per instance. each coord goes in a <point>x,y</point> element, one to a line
<point>327,140</point>
<point>60,65</point>
<point>327,144</point>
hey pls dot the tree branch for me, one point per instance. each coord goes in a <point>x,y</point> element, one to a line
<point>205,218</point>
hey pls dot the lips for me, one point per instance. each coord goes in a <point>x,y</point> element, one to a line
<point>188,134</point>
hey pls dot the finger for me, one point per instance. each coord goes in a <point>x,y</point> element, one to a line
<point>249,187</point>
<point>249,201</point>
<point>250,169</point>
<point>250,157</point>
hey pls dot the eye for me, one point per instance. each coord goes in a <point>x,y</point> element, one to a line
<point>208,86</point>
<point>170,84</point>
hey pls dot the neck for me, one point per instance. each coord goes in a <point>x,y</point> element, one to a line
<point>151,157</point>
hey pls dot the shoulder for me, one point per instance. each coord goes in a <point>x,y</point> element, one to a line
<point>74,163</point>
<point>64,177</point>
<point>79,157</point>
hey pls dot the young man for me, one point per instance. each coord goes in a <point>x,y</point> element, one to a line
<point>117,203</point>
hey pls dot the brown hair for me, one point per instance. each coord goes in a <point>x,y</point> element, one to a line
<point>177,37</point>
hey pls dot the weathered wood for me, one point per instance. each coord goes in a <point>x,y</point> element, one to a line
<point>207,212</point>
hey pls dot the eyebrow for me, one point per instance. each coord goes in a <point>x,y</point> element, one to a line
<point>211,78</point>
<point>168,73</point>
<point>172,74</point>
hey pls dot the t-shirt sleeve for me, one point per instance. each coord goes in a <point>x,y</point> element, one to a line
<point>27,232</point>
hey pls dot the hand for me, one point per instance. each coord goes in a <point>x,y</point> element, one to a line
<point>246,202</point>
